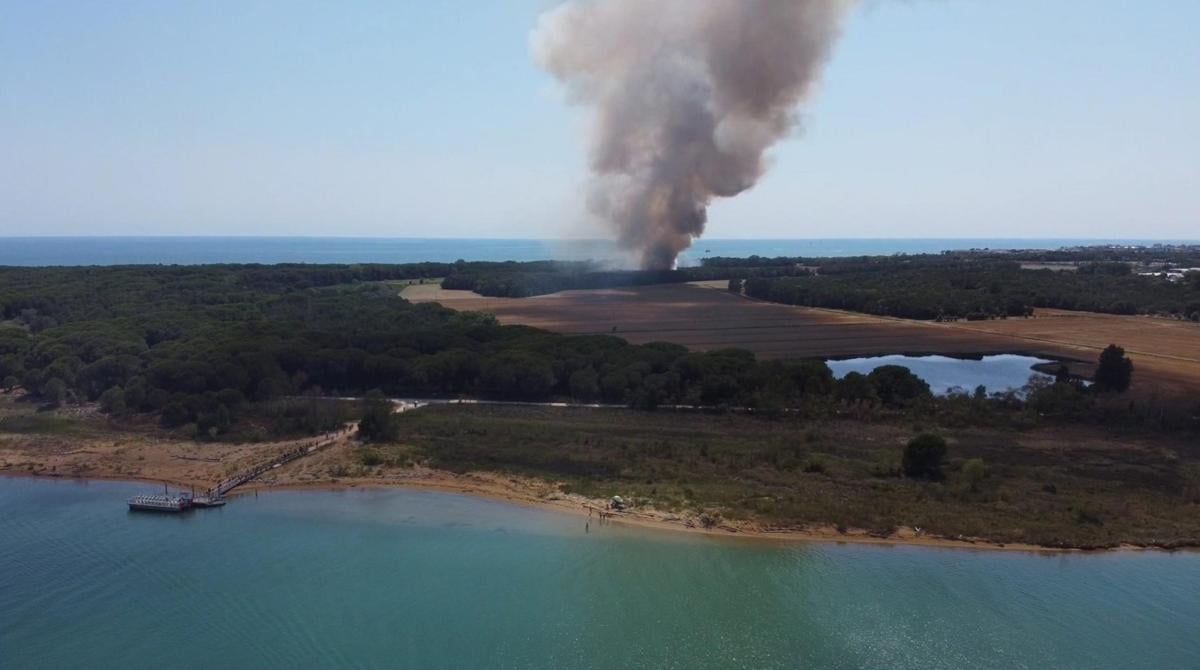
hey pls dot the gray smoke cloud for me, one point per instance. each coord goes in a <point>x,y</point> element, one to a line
<point>688,96</point>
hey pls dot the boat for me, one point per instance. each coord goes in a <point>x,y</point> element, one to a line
<point>208,500</point>
<point>160,503</point>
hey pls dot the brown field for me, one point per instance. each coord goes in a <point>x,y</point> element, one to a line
<point>1166,351</point>
<point>701,316</point>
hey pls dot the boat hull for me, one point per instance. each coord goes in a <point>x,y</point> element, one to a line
<point>168,504</point>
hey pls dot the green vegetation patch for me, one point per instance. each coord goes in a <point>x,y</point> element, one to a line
<point>1081,489</point>
<point>44,424</point>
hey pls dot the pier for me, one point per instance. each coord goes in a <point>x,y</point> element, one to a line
<point>215,496</point>
<point>224,487</point>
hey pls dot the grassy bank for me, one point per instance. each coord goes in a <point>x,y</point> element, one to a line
<point>1047,487</point>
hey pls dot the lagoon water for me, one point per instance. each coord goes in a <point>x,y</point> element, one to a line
<point>392,578</point>
<point>33,251</point>
<point>1004,372</point>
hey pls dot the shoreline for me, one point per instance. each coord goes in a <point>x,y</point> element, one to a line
<point>498,488</point>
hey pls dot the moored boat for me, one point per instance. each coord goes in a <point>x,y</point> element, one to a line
<point>159,503</point>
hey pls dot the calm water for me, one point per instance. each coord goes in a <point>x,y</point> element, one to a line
<point>1004,372</point>
<point>192,250</point>
<point>423,580</point>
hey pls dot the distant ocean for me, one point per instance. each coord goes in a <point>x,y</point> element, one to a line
<point>37,251</point>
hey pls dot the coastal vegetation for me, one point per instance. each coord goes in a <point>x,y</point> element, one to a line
<point>226,356</point>
<point>946,473</point>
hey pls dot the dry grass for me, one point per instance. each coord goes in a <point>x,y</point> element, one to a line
<point>1165,352</point>
<point>71,443</point>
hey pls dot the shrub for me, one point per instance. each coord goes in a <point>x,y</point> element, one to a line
<point>923,457</point>
<point>974,471</point>
<point>815,465</point>
<point>1087,515</point>
<point>371,457</point>
<point>379,422</point>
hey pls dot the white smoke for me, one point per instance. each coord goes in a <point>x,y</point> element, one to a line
<point>688,96</point>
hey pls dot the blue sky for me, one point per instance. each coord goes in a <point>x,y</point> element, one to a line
<point>936,118</point>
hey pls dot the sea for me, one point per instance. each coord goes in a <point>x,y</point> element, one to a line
<point>59,251</point>
<point>389,578</point>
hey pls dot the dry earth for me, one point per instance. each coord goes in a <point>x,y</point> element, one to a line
<point>82,443</point>
<point>702,316</point>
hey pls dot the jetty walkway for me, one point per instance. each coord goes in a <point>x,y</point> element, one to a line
<point>326,440</point>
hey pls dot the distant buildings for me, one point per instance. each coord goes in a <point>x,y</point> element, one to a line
<point>1173,274</point>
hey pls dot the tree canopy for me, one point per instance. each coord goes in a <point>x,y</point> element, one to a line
<point>1114,372</point>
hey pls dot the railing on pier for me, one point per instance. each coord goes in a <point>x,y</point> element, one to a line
<point>301,451</point>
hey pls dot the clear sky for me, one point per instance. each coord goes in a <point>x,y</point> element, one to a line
<point>936,118</point>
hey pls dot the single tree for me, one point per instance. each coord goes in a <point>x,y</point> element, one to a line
<point>1062,375</point>
<point>923,457</point>
<point>112,401</point>
<point>897,386</point>
<point>379,422</point>
<point>1115,370</point>
<point>55,391</point>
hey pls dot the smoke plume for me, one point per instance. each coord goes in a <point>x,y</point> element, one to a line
<point>688,96</point>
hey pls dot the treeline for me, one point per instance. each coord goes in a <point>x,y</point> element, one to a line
<point>919,286</point>
<point>1170,255</point>
<point>199,345</point>
<point>520,282</point>
<point>943,287</point>
<point>203,347</point>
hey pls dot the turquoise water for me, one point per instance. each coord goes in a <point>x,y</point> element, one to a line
<point>1004,372</point>
<point>388,578</point>
<point>192,250</point>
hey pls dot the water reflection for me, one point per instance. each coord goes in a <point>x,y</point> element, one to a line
<point>1004,372</point>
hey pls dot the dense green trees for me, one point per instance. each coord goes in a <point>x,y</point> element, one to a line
<point>212,347</point>
<point>974,288</point>
<point>520,280</point>
<point>200,345</point>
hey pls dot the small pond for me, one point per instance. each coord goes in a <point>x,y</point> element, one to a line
<point>1004,372</point>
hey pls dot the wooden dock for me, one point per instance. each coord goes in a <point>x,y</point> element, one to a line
<point>224,487</point>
